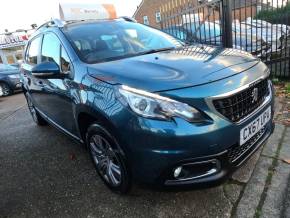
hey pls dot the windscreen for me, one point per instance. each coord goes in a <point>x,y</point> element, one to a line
<point>111,40</point>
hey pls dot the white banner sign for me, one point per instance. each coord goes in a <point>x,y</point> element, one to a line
<point>86,11</point>
<point>12,41</point>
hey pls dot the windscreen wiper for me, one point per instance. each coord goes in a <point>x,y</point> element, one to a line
<point>157,50</point>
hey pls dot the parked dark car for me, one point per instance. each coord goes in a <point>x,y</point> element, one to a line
<point>150,109</point>
<point>9,79</point>
<point>211,33</point>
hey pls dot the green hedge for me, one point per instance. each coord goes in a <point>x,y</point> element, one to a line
<point>276,15</point>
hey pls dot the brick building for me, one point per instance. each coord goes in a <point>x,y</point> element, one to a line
<point>149,12</point>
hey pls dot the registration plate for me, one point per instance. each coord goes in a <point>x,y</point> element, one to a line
<point>255,126</point>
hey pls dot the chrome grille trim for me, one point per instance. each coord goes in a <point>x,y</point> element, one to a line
<point>267,99</point>
<point>241,104</point>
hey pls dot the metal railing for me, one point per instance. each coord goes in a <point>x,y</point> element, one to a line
<point>260,27</point>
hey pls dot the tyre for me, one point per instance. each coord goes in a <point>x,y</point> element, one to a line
<point>108,159</point>
<point>35,115</point>
<point>5,90</point>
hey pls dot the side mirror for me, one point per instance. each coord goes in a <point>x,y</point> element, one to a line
<point>47,70</point>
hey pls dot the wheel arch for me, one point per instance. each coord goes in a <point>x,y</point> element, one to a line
<point>85,116</point>
<point>5,82</point>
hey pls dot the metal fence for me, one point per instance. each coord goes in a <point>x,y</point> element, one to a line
<point>261,27</point>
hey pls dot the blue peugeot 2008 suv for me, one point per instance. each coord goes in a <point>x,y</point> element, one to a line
<point>150,109</point>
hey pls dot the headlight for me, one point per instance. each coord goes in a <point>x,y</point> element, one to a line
<point>14,76</point>
<point>151,105</point>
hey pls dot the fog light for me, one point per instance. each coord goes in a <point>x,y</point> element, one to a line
<point>177,172</point>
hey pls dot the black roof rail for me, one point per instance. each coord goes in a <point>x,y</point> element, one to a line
<point>53,23</point>
<point>129,19</point>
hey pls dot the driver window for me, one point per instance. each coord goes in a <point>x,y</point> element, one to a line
<point>50,49</point>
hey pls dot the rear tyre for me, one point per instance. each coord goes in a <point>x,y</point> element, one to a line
<point>35,115</point>
<point>108,159</point>
<point>5,90</point>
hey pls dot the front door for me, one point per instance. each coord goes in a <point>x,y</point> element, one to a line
<point>56,101</point>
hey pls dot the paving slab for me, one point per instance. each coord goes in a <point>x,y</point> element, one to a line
<point>278,106</point>
<point>276,194</point>
<point>271,146</point>
<point>273,205</point>
<point>253,190</point>
<point>286,209</point>
<point>285,149</point>
<point>285,155</point>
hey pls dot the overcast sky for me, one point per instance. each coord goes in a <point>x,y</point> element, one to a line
<point>20,14</point>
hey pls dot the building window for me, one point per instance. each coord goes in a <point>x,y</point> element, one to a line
<point>158,17</point>
<point>146,20</point>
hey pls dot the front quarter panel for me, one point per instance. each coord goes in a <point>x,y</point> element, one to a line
<point>97,98</point>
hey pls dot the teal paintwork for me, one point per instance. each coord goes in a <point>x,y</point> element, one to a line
<point>152,147</point>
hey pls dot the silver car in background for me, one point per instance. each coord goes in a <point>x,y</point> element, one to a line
<point>274,34</point>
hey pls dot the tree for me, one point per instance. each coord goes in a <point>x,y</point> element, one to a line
<point>276,15</point>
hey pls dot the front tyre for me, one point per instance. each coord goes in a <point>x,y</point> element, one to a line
<point>35,115</point>
<point>108,159</point>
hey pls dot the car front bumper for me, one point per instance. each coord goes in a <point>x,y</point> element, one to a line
<point>221,165</point>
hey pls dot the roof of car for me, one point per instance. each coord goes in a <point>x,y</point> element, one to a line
<point>82,22</point>
<point>57,24</point>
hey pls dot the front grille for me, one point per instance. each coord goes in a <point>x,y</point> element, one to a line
<point>241,104</point>
<point>238,151</point>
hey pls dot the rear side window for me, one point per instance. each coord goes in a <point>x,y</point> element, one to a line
<point>50,49</point>
<point>33,50</point>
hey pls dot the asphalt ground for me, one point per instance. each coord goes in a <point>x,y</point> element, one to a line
<point>43,173</point>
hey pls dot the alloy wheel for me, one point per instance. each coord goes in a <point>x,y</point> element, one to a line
<point>4,90</point>
<point>106,160</point>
